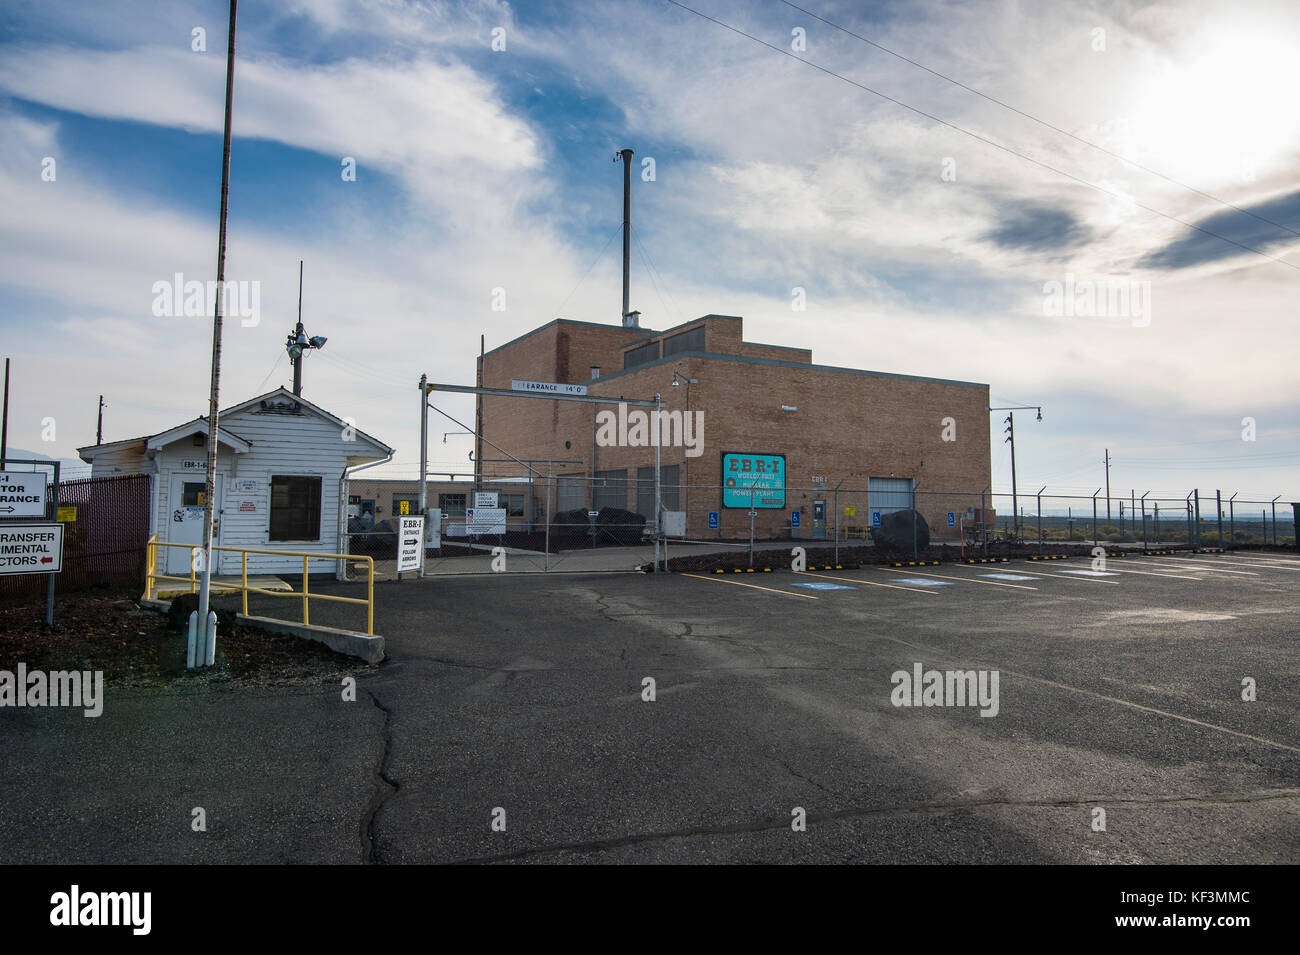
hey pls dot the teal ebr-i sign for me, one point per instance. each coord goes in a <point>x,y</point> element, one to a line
<point>764,473</point>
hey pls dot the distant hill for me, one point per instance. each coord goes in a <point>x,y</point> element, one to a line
<point>69,468</point>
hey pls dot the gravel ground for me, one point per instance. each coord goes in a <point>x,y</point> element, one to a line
<point>107,629</point>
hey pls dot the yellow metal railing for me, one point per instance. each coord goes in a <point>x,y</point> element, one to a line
<point>152,576</point>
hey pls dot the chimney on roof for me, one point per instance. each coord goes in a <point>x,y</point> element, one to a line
<point>626,156</point>
<point>632,319</point>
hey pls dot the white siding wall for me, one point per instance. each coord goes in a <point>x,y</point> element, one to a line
<point>128,460</point>
<point>282,444</point>
<point>302,444</point>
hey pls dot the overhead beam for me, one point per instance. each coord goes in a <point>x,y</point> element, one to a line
<point>511,393</point>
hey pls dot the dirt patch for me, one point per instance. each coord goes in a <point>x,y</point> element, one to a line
<point>107,629</point>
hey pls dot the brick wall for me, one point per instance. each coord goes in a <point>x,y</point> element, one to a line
<point>848,427</point>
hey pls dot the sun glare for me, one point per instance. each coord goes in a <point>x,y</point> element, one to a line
<point>1223,111</point>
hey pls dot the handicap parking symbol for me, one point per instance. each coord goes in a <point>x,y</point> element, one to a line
<point>713,520</point>
<point>875,518</point>
<point>952,519</point>
<point>794,518</point>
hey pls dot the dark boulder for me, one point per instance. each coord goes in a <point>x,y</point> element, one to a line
<point>895,533</point>
<point>619,526</point>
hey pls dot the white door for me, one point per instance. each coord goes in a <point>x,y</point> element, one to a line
<point>185,520</point>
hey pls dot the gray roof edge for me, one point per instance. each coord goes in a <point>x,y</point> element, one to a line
<point>542,328</point>
<point>789,364</point>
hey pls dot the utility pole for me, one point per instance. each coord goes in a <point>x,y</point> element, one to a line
<point>4,428</point>
<point>99,428</point>
<point>299,332</point>
<point>1108,485</point>
<point>1011,436</point>
<point>209,500</point>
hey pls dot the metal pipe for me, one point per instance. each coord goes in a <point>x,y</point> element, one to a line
<point>1040,518</point>
<point>626,155</point>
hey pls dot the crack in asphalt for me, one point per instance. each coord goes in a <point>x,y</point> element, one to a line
<point>385,788</point>
<point>938,808</point>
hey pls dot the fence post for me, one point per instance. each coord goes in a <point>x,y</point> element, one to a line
<point>1094,516</point>
<point>915,554</point>
<point>1218,506</point>
<point>1157,516</point>
<point>1232,519</point>
<point>243,573</point>
<point>305,613</point>
<point>1196,526</point>
<point>1040,519</point>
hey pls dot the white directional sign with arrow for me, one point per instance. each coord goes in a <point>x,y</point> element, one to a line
<point>31,548</point>
<point>22,494</point>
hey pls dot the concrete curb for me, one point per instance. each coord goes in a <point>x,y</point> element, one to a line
<point>370,649</point>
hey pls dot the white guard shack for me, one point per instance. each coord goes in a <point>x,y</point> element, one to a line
<point>282,474</point>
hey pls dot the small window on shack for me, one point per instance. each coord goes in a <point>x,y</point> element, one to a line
<point>295,508</point>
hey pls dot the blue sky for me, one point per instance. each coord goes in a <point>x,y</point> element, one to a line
<point>922,250</point>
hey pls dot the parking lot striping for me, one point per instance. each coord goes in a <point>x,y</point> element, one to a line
<point>969,580</point>
<point>737,583</point>
<point>938,654</point>
<point>870,583</point>
<point>1269,565</point>
<point>1279,558</point>
<point>1094,580</point>
<point>1198,563</point>
<point>1150,573</point>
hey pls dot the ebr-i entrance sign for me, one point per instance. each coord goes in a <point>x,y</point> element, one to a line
<point>29,547</point>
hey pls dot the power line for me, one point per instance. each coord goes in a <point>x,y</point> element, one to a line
<point>984,139</point>
<point>1042,122</point>
<point>555,312</point>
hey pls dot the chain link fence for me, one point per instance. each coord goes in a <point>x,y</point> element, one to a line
<point>104,539</point>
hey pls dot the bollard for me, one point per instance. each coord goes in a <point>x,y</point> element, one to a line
<point>191,640</point>
<point>210,640</point>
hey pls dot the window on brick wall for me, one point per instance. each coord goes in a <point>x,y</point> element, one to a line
<point>641,355</point>
<point>669,490</point>
<point>692,340</point>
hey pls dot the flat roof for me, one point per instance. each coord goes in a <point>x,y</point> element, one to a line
<point>743,359</point>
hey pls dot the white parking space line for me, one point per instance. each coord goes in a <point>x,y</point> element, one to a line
<point>969,580</point>
<point>1194,564</point>
<point>1272,565</point>
<point>1150,573</point>
<point>869,583</point>
<point>1090,580</point>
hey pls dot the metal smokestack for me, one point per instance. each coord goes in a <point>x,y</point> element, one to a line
<point>626,156</point>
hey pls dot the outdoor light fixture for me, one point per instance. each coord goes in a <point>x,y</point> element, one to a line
<point>296,343</point>
<point>789,408</point>
<point>678,379</point>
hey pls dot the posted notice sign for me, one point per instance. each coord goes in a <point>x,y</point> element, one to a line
<point>753,478</point>
<point>410,544</point>
<point>22,493</point>
<point>31,548</point>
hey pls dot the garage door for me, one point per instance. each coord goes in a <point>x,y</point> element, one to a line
<point>888,494</point>
<point>572,495</point>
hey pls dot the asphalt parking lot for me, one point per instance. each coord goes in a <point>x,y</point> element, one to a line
<point>519,700</point>
<point>1120,690</point>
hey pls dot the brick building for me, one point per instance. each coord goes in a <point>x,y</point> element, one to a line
<point>744,419</point>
